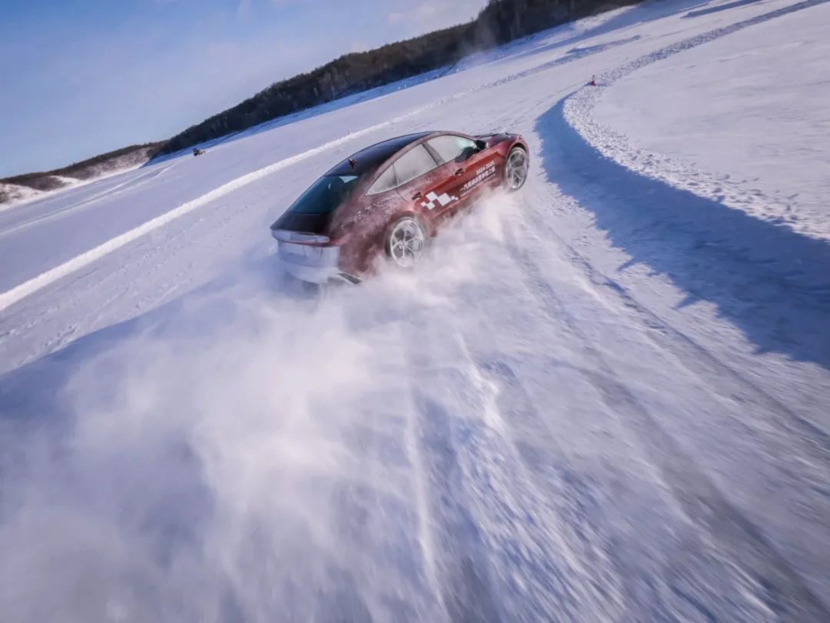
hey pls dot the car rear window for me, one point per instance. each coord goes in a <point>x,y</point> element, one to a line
<point>325,195</point>
<point>367,161</point>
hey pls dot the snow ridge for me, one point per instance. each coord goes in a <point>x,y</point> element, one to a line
<point>722,188</point>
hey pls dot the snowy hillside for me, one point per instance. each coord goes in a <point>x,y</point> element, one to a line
<point>605,398</point>
<point>31,186</point>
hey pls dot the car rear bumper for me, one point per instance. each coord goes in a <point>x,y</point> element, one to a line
<point>312,263</point>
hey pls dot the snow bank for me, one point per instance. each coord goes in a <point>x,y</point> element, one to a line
<point>13,194</point>
<point>741,120</point>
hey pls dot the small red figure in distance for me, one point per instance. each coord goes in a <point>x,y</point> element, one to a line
<point>593,81</point>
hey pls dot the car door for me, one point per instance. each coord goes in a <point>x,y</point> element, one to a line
<point>420,181</point>
<point>470,170</point>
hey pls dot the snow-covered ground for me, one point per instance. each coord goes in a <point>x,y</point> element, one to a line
<point>604,398</point>
<point>745,119</point>
<point>15,195</point>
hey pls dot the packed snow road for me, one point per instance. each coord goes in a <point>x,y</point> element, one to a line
<point>603,398</point>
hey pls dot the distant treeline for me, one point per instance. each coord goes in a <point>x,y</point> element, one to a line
<point>499,22</point>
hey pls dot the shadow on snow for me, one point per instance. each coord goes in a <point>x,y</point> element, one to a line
<point>769,281</point>
<point>719,8</point>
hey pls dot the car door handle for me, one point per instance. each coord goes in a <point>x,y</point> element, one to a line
<point>417,196</point>
<point>459,172</point>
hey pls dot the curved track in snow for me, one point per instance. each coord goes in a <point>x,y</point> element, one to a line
<point>603,398</point>
<point>719,188</point>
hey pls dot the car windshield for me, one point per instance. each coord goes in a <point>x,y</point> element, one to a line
<point>325,195</point>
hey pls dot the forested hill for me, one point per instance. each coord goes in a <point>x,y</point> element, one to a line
<point>499,22</point>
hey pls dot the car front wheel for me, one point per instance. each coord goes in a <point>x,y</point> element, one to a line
<point>515,171</point>
<point>406,241</point>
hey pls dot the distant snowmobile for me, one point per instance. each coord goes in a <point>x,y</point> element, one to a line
<point>197,151</point>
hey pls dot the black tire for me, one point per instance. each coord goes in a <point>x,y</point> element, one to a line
<point>405,241</point>
<point>516,168</point>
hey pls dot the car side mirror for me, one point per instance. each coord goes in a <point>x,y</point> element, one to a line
<point>481,145</point>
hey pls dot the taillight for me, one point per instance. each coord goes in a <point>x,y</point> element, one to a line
<point>284,235</point>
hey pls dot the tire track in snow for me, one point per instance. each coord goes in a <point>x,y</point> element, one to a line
<point>578,113</point>
<point>573,561</point>
<point>760,273</point>
<point>701,500</point>
<point>811,440</point>
<point>109,287</point>
<point>554,552</point>
<point>489,562</point>
<point>463,574</point>
<point>593,490</point>
<point>115,190</point>
<point>692,42</point>
<point>630,579</point>
<point>508,545</point>
<point>376,525</point>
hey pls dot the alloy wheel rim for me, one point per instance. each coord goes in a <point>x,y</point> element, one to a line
<point>516,169</point>
<point>406,243</point>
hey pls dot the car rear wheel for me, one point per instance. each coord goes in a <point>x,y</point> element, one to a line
<point>406,241</point>
<point>515,172</point>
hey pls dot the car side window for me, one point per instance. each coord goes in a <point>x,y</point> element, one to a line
<point>414,163</point>
<point>387,181</point>
<point>451,147</point>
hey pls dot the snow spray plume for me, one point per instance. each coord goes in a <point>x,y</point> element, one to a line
<point>252,455</point>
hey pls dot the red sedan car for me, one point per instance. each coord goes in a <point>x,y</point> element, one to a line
<point>389,199</point>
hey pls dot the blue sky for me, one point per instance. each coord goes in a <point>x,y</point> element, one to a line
<point>80,77</point>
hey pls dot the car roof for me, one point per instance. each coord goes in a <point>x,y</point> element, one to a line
<point>370,158</point>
